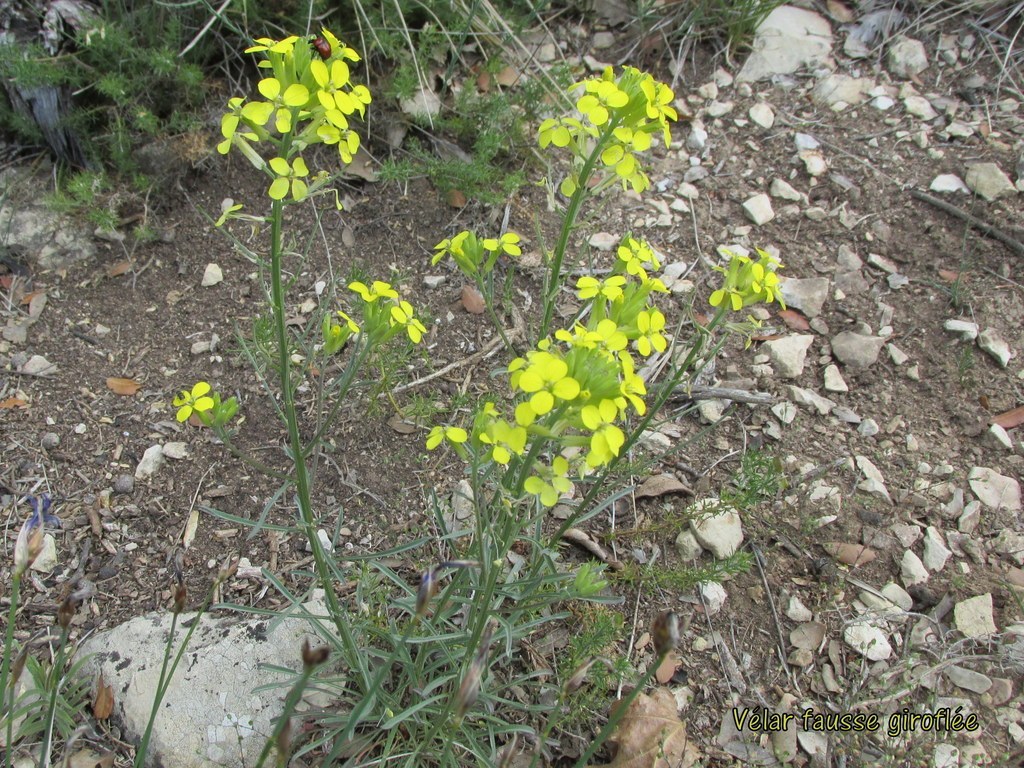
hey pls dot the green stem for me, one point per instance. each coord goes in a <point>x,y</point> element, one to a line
<point>161,688</point>
<point>54,680</point>
<point>620,711</point>
<point>5,669</point>
<point>282,721</point>
<point>487,291</point>
<point>298,451</point>
<point>553,280</point>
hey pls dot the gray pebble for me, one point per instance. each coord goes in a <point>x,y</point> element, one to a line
<point>50,441</point>
<point>124,484</point>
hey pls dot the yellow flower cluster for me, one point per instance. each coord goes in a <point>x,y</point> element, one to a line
<point>474,256</point>
<point>621,116</point>
<point>575,392</point>
<point>307,98</point>
<point>748,282</point>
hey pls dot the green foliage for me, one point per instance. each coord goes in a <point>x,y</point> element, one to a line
<point>732,22</point>
<point>68,688</point>
<point>759,478</point>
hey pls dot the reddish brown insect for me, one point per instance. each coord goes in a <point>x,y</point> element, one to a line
<point>322,47</point>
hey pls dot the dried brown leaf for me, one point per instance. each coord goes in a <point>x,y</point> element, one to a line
<point>472,300</point>
<point>125,387</point>
<point>401,426</point>
<point>118,269</point>
<point>651,735</point>
<point>850,554</point>
<point>808,636</point>
<point>1011,418</point>
<point>103,701</point>
<point>794,320</point>
<point>13,402</point>
<point>667,668</point>
<point>950,276</point>
<point>659,485</point>
<point>456,198</point>
<point>362,166</point>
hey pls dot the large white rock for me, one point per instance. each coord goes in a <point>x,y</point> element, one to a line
<point>936,553</point>
<point>789,353</point>
<point>789,38</point>
<point>807,294</point>
<point>722,532</point>
<point>838,89</point>
<point>150,462</point>
<point>987,180</point>
<point>991,342</point>
<point>907,57</point>
<point>855,350</point>
<point>868,640</point>
<point>994,490</point>
<point>974,617</point>
<point>759,209</point>
<point>210,715</point>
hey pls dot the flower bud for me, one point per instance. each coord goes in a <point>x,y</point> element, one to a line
<point>284,743</point>
<point>66,612</point>
<point>428,588</point>
<point>180,595</point>
<point>313,657</point>
<point>665,632</point>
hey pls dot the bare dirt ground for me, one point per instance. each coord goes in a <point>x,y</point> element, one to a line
<point>138,312</point>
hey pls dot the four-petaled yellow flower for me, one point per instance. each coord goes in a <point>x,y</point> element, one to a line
<point>508,243</point>
<point>601,96</point>
<point>378,290</point>
<point>651,323</point>
<point>439,434</point>
<point>198,400</point>
<point>607,439</point>
<point>279,104</point>
<point>402,314</point>
<point>550,483</point>
<point>288,176</point>
<point>610,288</point>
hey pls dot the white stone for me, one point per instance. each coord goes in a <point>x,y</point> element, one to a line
<point>434,281</point>
<point>968,679</point>
<point>714,596</point>
<point>789,353</point>
<point>834,380</point>
<point>855,350</point>
<point>897,595</point>
<point>698,136</point>
<point>918,106</point>
<point>603,241</point>
<point>175,450</point>
<point>897,355</point>
<point>974,616</point>
<point>907,57</point>
<point>37,365</point>
<point>687,546</point>
<point>722,532</point>
<point>868,428</point>
<point>912,570</point>
<point>948,182</point>
<point>654,441</point>
<point>1009,543</point>
<point>759,209</point>
<point>838,89</point>
<point>151,462</point>
<point>212,275</point>
<point>868,640</point>
<point>783,190</point>
<point>762,114</point>
<point>797,611</point>
<point>789,38</point>
<point>719,108</point>
<point>804,141</point>
<point>711,410</point>
<point>991,342</point>
<point>708,90</point>
<point>967,330</point>
<point>994,490</point>
<point>814,162</point>
<point>211,714</point>
<point>988,181</point>
<point>806,294</point>
<point>883,103</point>
<point>936,553</point>
<point>998,437</point>
<point>809,397</point>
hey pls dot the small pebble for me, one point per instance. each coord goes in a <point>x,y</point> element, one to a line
<point>50,441</point>
<point>124,484</point>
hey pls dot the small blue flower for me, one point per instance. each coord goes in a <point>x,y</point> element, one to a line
<point>41,512</point>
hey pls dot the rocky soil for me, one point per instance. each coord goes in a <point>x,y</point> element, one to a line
<point>888,575</point>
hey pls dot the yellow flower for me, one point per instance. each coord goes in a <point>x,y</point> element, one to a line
<point>229,126</point>
<point>549,483</point>
<point>198,400</point>
<point>280,104</point>
<point>610,288</point>
<point>651,324</point>
<point>505,439</point>
<point>288,176</point>
<point>379,290</point>
<point>402,314</point>
<point>438,434</point>
<point>545,379</point>
<point>607,439</point>
<point>509,243</point>
<point>273,46</point>
<point>601,97</point>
